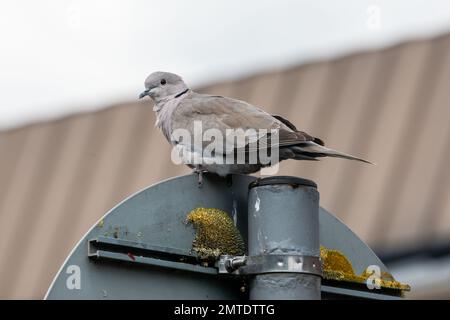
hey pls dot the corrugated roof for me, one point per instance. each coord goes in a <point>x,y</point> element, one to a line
<point>391,106</point>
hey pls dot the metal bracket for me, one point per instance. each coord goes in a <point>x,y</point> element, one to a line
<point>101,248</point>
<point>271,263</point>
<point>105,248</point>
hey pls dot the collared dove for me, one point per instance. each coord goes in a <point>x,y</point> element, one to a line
<point>178,107</point>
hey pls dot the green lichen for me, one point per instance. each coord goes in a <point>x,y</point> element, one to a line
<point>336,266</point>
<point>216,234</point>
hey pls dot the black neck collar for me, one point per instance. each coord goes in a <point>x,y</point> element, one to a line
<point>181,93</point>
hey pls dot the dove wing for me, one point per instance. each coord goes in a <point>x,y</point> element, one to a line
<point>221,113</point>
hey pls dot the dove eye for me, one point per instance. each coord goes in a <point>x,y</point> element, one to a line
<point>163,81</point>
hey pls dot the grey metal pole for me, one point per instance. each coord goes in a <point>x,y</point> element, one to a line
<point>283,231</point>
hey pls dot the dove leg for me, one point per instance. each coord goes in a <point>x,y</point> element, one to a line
<point>199,173</point>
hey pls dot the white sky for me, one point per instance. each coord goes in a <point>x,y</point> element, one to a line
<point>59,57</point>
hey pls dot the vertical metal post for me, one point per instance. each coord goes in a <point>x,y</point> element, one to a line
<point>283,225</point>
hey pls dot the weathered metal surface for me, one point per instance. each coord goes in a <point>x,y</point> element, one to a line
<point>330,292</point>
<point>284,220</point>
<point>156,218</point>
<point>154,262</point>
<point>103,248</point>
<point>122,244</point>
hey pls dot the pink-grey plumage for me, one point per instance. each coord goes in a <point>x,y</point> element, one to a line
<point>177,107</point>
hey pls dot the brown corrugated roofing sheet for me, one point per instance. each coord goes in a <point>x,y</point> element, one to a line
<point>391,106</point>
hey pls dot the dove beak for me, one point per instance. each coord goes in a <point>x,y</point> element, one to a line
<point>144,93</point>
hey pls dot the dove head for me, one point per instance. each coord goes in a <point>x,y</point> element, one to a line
<point>162,86</point>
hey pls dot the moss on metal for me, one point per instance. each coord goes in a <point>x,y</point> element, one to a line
<point>336,266</point>
<point>216,234</point>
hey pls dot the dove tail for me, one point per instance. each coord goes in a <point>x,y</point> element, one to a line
<point>314,150</point>
<point>337,154</point>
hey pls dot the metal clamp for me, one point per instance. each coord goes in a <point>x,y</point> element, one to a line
<point>272,263</point>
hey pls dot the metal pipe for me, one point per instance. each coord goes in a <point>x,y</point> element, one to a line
<point>283,219</point>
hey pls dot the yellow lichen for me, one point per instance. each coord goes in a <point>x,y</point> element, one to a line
<point>334,261</point>
<point>336,266</point>
<point>216,234</point>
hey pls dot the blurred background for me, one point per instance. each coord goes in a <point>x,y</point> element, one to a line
<point>371,78</point>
